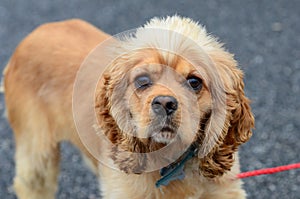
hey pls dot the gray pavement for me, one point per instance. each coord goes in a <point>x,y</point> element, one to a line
<point>264,35</point>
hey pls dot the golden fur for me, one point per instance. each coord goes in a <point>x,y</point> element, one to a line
<point>39,81</point>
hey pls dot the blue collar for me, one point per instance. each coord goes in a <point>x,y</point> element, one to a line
<point>175,171</point>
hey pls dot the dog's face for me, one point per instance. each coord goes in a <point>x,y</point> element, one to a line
<point>162,99</point>
<point>150,96</point>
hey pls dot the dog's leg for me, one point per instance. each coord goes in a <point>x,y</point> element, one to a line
<point>37,167</point>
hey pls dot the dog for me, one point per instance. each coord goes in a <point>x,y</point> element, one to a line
<point>169,109</point>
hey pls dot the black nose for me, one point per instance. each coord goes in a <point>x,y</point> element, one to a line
<point>162,105</point>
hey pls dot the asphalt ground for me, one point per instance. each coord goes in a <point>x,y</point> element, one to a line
<point>264,36</point>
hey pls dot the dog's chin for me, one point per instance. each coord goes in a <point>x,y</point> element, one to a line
<point>164,137</point>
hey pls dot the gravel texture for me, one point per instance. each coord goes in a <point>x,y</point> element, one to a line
<point>264,35</point>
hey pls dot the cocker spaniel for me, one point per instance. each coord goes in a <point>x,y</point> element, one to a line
<point>158,112</point>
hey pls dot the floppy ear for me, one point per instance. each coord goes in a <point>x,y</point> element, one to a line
<point>114,119</point>
<point>242,120</point>
<point>110,103</point>
<point>238,123</point>
<point>106,123</point>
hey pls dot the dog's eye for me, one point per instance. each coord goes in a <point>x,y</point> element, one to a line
<point>195,83</point>
<point>142,82</point>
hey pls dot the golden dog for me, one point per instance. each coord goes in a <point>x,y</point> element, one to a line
<point>170,81</point>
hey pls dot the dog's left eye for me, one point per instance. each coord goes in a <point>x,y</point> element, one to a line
<point>195,83</point>
<point>142,82</point>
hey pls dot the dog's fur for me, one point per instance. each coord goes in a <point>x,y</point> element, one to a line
<point>39,81</point>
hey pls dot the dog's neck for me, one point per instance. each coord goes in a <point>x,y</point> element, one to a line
<point>175,171</point>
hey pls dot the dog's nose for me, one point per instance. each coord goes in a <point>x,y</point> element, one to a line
<point>164,105</point>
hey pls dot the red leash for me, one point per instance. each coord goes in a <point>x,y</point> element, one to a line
<point>268,170</point>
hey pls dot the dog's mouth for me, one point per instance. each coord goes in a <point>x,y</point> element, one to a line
<point>164,135</point>
<point>163,130</point>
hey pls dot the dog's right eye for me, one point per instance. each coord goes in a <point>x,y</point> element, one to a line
<point>142,82</point>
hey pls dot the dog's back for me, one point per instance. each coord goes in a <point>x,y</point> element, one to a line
<point>38,82</point>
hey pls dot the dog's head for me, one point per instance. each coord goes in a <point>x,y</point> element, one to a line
<point>174,82</point>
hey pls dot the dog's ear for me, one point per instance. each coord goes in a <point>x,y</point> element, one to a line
<point>242,120</point>
<point>238,123</point>
<point>114,119</point>
<point>110,100</point>
<point>106,123</point>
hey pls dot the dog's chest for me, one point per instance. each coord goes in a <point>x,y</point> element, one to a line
<point>143,186</point>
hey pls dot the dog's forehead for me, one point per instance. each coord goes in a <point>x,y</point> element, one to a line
<point>157,64</point>
<point>147,65</point>
<point>183,67</point>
